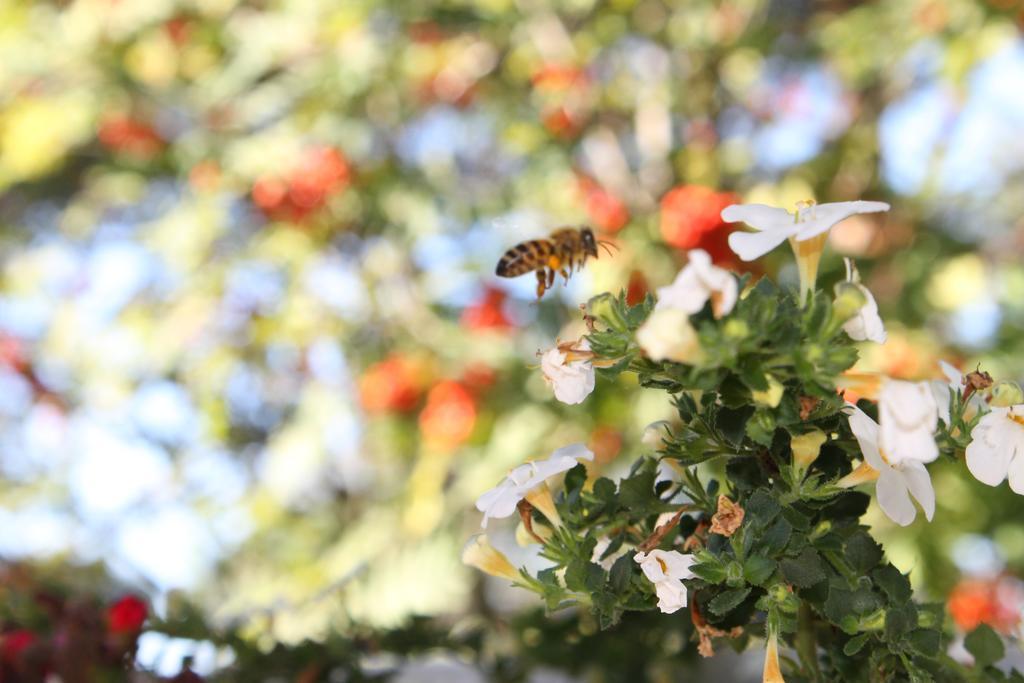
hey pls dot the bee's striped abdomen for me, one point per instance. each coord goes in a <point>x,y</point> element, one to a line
<point>523,258</point>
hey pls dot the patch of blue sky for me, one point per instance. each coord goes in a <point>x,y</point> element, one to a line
<point>171,546</point>
<point>35,531</point>
<point>327,363</point>
<point>214,474</point>
<point>163,411</point>
<point>165,655</point>
<point>111,471</point>
<point>256,286</point>
<point>930,141</point>
<point>336,281</point>
<point>115,273</point>
<point>808,107</point>
<point>909,130</point>
<point>444,135</point>
<point>25,316</point>
<point>976,324</point>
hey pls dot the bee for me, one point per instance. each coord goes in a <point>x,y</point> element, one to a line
<point>565,249</point>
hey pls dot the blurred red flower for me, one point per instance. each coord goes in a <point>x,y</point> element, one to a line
<point>122,133</point>
<point>321,173</point>
<point>691,219</point>
<point>996,602</point>
<point>392,385</point>
<point>126,615</point>
<point>637,288</point>
<point>15,642</point>
<point>607,212</point>
<point>478,377</point>
<point>449,417</point>
<point>487,313</point>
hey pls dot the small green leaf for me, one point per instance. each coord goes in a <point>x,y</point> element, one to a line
<point>621,572</point>
<point>854,645</point>
<point>895,584</point>
<point>803,571</point>
<point>761,508</point>
<point>862,552</point>
<point>925,641</point>
<point>758,569</point>
<point>900,621</point>
<point>777,536</point>
<point>985,646</point>
<point>725,602</point>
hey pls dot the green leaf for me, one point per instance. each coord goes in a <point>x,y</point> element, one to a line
<point>710,568</point>
<point>900,621</point>
<point>775,539</point>
<point>925,641</point>
<point>732,423</point>
<point>621,572</point>
<point>637,491</point>
<point>758,569</point>
<point>895,584</point>
<point>723,603</point>
<point>862,552</point>
<point>761,508</point>
<point>583,575</point>
<point>854,645</point>
<point>985,646</point>
<point>803,571</point>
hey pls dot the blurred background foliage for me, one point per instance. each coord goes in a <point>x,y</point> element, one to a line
<point>253,359</point>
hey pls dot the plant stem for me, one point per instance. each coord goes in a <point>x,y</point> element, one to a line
<point>807,642</point>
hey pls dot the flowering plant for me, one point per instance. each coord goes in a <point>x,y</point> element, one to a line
<point>758,531</point>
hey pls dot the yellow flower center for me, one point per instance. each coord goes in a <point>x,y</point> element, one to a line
<point>1019,419</point>
<point>661,563</point>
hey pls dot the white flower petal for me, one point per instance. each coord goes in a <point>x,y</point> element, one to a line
<point>650,566</point>
<point>893,497</point>
<point>908,415</point>
<point>865,430</point>
<point>571,382</point>
<point>820,217</point>
<point>866,325</point>
<point>759,216</point>
<point>1016,471</point>
<point>677,564</point>
<point>499,502</point>
<point>576,451</point>
<point>991,448</point>
<point>668,335</point>
<point>919,483</point>
<point>698,282</point>
<point>753,245</point>
<point>671,596</point>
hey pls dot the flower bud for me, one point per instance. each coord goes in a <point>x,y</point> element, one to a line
<point>772,395</point>
<point>479,553</point>
<point>848,302</point>
<point>1006,393</point>
<point>806,447</point>
<point>772,671</point>
<point>605,308</point>
<point>540,498</point>
<point>542,533</point>
<point>736,329</point>
<point>654,433</point>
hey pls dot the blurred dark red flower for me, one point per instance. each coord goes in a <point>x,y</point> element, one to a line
<point>691,219</point>
<point>488,313</point>
<point>996,602</point>
<point>392,385</point>
<point>607,212</point>
<point>637,288</point>
<point>15,642</point>
<point>122,133</point>
<point>479,377</point>
<point>126,615</point>
<point>449,416</point>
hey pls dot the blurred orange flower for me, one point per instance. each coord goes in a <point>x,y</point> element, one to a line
<point>392,385</point>
<point>996,602</point>
<point>449,417</point>
<point>487,313</point>
<point>607,212</point>
<point>321,173</point>
<point>691,219</point>
<point>124,134</point>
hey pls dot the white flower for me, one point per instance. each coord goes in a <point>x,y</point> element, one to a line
<point>668,335</point>
<point>666,569</point>
<point>806,231</point>
<point>697,283</point>
<point>521,482</point>
<point>865,325</point>
<point>600,547</point>
<point>776,225</point>
<point>897,481</point>
<point>996,451</point>
<point>569,372</point>
<point>942,390</point>
<point>909,415</point>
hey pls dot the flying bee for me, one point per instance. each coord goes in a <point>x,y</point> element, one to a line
<point>565,249</point>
